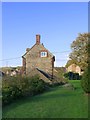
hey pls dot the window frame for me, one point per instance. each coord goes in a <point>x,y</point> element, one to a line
<point>43,54</point>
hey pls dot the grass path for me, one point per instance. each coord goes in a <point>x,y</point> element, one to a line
<point>57,103</point>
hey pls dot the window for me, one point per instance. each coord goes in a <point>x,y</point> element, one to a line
<point>43,54</point>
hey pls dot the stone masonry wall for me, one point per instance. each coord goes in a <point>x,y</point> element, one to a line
<point>34,60</point>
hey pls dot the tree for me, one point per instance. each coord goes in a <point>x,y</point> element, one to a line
<point>85,82</point>
<point>80,49</point>
<point>70,62</point>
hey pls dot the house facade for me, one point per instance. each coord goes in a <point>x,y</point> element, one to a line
<point>38,57</point>
<point>74,68</point>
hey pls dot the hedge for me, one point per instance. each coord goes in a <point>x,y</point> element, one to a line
<point>72,76</point>
<point>85,82</point>
<point>18,87</point>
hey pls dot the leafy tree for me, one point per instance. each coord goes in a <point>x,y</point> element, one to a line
<point>80,50</point>
<point>85,82</point>
<point>70,62</point>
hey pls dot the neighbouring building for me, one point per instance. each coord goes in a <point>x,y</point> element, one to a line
<point>13,71</point>
<point>74,68</point>
<point>38,57</point>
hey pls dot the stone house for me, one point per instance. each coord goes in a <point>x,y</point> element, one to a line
<point>38,58</point>
<point>13,73</point>
<point>74,68</point>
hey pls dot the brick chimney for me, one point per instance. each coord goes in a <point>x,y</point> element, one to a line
<point>37,39</point>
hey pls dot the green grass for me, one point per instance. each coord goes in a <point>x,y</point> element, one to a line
<point>58,103</point>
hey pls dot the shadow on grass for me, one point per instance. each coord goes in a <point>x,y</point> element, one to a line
<point>53,94</point>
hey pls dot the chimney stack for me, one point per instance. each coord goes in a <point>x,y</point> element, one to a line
<point>37,39</point>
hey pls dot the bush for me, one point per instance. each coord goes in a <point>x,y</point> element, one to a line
<point>9,94</point>
<point>85,82</point>
<point>72,76</point>
<point>17,87</point>
<point>36,86</point>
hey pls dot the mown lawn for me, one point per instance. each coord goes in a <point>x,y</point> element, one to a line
<point>58,103</point>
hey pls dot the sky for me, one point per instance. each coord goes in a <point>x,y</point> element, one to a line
<point>58,23</point>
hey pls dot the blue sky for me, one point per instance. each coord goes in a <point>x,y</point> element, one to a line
<point>57,23</point>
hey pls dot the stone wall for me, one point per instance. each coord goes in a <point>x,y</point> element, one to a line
<point>34,60</point>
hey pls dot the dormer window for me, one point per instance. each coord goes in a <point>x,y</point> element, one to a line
<point>43,54</point>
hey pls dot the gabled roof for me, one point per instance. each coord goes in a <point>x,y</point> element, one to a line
<point>28,50</point>
<point>38,46</point>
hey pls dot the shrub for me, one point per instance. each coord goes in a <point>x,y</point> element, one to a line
<point>6,98</point>
<point>85,82</point>
<point>72,76</point>
<point>16,87</point>
<point>9,94</point>
<point>37,86</point>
